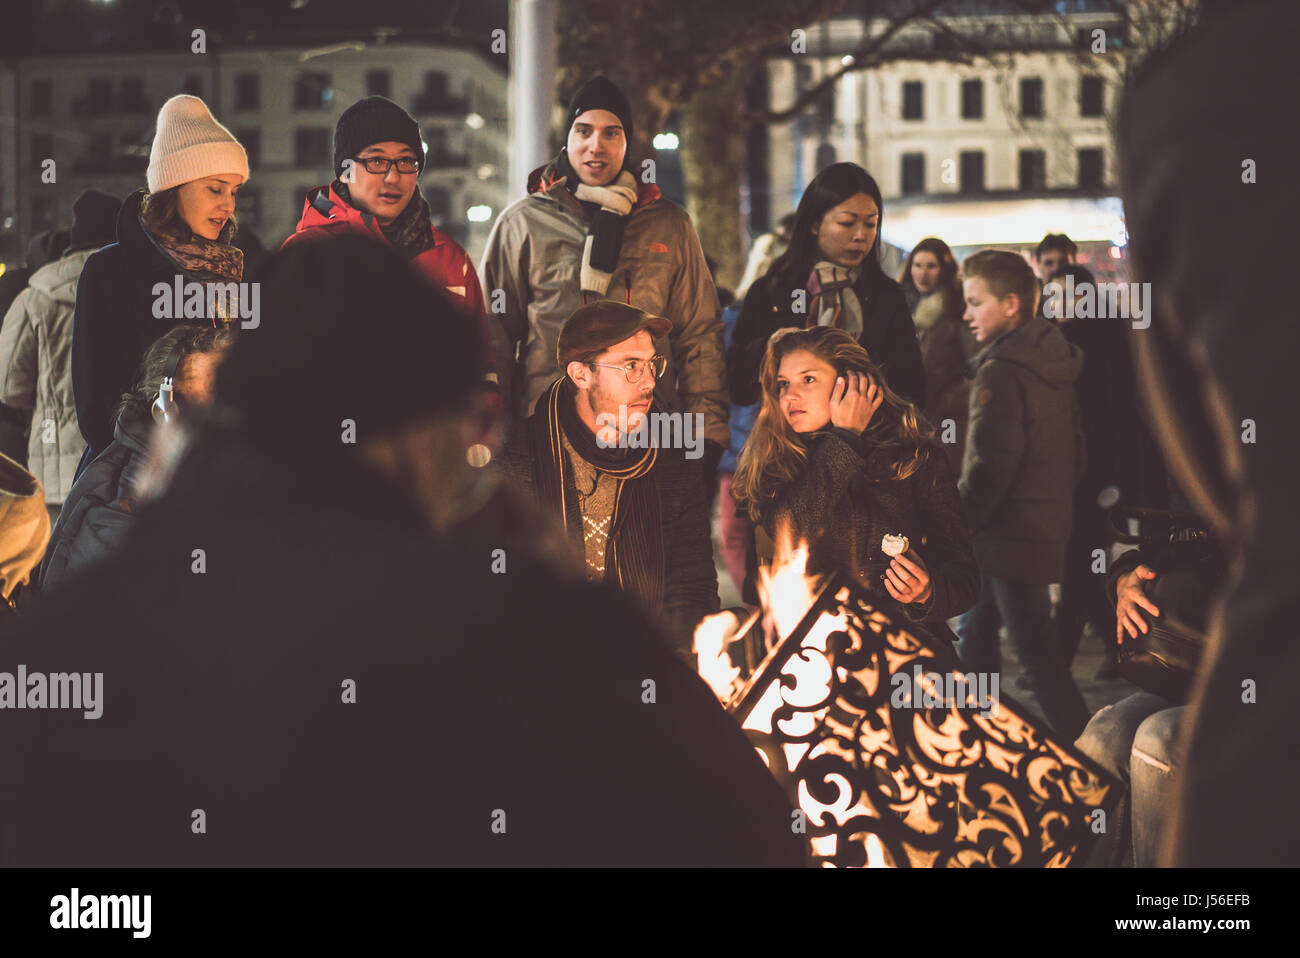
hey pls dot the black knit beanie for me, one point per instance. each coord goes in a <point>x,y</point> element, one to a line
<point>372,120</point>
<point>600,93</point>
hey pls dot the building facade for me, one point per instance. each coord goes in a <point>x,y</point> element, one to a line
<point>1026,122</point>
<point>93,116</point>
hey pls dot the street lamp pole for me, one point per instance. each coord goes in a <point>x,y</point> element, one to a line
<point>531,43</point>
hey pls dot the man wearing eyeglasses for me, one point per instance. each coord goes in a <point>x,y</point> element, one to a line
<point>637,516</point>
<point>592,228</point>
<point>378,156</point>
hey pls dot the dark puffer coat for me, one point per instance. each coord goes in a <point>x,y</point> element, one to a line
<point>844,505</point>
<point>102,504</point>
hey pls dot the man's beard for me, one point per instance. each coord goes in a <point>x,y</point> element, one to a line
<point>635,419</point>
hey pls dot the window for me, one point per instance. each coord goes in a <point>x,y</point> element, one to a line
<point>972,171</point>
<point>133,151</point>
<point>1033,170</point>
<point>311,91</point>
<point>251,139</point>
<point>435,84</point>
<point>379,83</point>
<point>972,99</point>
<point>439,200</point>
<point>42,102</point>
<point>1091,166</point>
<point>311,147</point>
<point>99,154</point>
<point>1091,97</point>
<point>43,214</point>
<point>248,208</point>
<point>130,95</point>
<point>1031,97</point>
<point>42,148</point>
<point>99,95</point>
<point>913,173</point>
<point>435,98</point>
<point>193,84</point>
<point>912,108</point>
<point>248,92</point>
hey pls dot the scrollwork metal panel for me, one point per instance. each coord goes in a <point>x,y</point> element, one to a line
<point>939,781</point>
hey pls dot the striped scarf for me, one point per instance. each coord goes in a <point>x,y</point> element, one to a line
<point>635,557</point>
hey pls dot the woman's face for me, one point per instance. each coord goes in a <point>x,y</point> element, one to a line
<point>206,205</point>
<point>803,389</point>
<point>848,231</point>
<point>925,271</point>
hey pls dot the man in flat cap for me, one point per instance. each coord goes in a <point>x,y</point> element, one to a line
<point>592,229</point>
<point>631,504</point>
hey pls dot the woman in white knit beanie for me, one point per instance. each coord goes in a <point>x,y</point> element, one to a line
<point>180,229</point>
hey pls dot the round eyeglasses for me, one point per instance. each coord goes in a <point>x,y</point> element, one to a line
<point>632,369</point>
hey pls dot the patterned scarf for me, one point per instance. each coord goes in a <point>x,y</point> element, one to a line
<point>834,301</point>
<point>411,232</point>
<point>203,261</point>
<point>635,559</point>
<point>605,232</point>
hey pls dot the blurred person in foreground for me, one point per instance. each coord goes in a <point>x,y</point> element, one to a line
<point>316,630</point>
<point>1214,370</point>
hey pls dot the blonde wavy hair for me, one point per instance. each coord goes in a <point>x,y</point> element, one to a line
<point>899,437</point>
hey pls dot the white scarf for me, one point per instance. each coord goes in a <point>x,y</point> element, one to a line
<point>615,200</point>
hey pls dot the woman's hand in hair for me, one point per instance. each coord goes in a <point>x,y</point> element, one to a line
<point>855,397</point>
<point>906,579</point>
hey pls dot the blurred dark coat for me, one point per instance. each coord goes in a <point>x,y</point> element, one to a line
<point>516,699</point>
<point>1218,353</point>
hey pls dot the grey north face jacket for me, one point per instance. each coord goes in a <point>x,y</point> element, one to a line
<point>533,257</point>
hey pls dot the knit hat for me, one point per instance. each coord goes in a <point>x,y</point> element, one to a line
<point>374,119</point>
<point>94,220</point>
<point>600,93</point>
<point>190,145</point>
<point>311,365</point>
<point>596,327</point>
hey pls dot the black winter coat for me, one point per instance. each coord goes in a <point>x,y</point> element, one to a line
<point>888,335</point>
<point>338,685</point>
<point>689,575</point>
<point>101,506</point>
<point>1120,450</point>
<point>845,503</point>
<point>114,323</point>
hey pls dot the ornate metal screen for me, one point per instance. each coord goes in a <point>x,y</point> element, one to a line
<point>938,786</point>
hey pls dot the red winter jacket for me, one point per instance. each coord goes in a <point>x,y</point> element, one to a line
<point>324,213</point>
